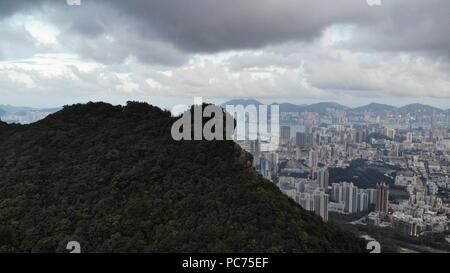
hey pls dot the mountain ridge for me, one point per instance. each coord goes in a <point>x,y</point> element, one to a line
<point>420,108</point>
<point>23,114</point>
<point>14,109</point>
<point>376,107</point>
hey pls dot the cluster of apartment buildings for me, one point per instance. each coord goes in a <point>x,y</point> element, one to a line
<point>311,194</point>
<point>417,147</point>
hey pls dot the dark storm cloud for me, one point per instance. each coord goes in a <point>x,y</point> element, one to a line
<point>217,25</point>
<point>9,7</point>
<point>197,26</point>
<point>411,25</point>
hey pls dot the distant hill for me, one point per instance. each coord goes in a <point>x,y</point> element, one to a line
<point>322,107</point>
<point>289,107</point>
<point>243,102</point>
<point>24,115</point>
<point>377,108</point>
<point>113,179</point>
<point>418,108</point>
<point>23,109</point>
<point>14,109</point>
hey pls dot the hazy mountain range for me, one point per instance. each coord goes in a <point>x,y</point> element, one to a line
<point>26,115</point>
<point>321,107</point>
<point>23,114</point>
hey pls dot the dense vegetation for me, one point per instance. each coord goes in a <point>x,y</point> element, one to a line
<point>361,174</point>
<point>112,178</point>
<point>377,136</point>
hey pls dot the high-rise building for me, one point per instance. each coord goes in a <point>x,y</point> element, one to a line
<point>361,136</point>
<point>349,192</point>
<point>313,159</point>
<point>353,136</point>
<point>372,194</point>
<point>321,204</point>
<point>345,193</point>
<point>322,176</point>
<point>307,194</point>
<point>306,201</point>
<point>298,154</point>
<point>274,160</point>
<point>268,164</point>
<point>353,199</point>
<point>337,194</point>
<point>362,200</point>
<point>300,140</point>
<point>389,132</point>
<point>316,138</point>
<point>409,137</point>
<point>382,203</point>
<point>332,151</point>
<point>265,168</point>
<point>448,119</point>
<point>303,140</point>
<point>255,148</point>
<point>285,134</point>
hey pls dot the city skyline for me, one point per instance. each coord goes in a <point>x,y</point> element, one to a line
<point>363,168</point>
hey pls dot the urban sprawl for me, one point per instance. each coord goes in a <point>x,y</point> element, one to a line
<point>411,148</point>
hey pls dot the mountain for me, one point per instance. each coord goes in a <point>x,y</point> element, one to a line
<point>13,109</point>
<point>113,179</point>
<point>284,107</point>
<point>24,115</point>
<point>420,109</point>
<point>22,110</point>
<point>243,102</point>
<point>289,107</point>
<point>376,108</point>
<point>322,107</point>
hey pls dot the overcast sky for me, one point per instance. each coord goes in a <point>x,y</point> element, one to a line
<point>167,51</point>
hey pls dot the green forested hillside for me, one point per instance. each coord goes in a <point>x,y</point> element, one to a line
<point>112,178</point>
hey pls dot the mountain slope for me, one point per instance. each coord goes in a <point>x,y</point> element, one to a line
<point>24,115</point>
<point>322,107</point>
<point>419,109</point>
<point>243,102</point>
<point>112,178</point>
<point>289,107</point>
<point>13,109</point>
<point>375,108</point>
<point>23,109</point>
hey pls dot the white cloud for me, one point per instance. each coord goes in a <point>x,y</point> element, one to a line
<point>21,78</point>
<point>42,33</point>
